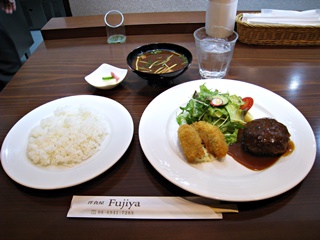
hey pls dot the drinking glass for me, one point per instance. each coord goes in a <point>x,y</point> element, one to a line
<point>115,28</point>
<point>214,53</point>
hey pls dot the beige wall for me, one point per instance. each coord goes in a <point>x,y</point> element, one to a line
<point>96,7</point>
<point>85,7</point>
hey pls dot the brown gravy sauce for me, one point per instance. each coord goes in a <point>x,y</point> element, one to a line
<point>254,162</point>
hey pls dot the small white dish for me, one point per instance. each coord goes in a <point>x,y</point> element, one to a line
<point>95,78</point>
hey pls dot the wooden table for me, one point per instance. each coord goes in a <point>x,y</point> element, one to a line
<point>57,69</point>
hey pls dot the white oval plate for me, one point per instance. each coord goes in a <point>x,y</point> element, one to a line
<point>226,179</point>
<point>20,169</point>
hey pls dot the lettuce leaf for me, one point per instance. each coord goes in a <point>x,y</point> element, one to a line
<point>229,117</point>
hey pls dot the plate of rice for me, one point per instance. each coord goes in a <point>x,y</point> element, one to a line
<point>66,142</point>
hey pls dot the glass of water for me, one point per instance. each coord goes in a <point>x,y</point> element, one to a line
<point>114,21</point>
<point>214,52</point>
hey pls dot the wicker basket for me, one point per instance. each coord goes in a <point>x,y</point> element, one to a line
<point>280,34</point>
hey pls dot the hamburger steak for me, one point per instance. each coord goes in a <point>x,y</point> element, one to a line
<point>266,137</point>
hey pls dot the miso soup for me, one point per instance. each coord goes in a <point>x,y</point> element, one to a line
<point>159,61</point>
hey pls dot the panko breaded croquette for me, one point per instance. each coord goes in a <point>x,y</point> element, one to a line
<point>191,144</point>
<point>201,141</point>
<point>212,138</point>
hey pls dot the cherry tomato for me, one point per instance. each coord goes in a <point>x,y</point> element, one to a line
<point>248,103</point>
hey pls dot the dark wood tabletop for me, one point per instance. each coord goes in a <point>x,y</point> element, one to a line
<point>57,69</point>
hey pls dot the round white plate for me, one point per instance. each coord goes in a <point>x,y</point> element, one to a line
<point>226,179</point>
<point>20,169</point>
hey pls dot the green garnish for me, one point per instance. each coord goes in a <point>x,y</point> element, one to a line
<point>228,117</point>
<point>107,78</point>
<point>156,51</point>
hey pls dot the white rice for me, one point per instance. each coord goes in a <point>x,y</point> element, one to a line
<point>70,136</point>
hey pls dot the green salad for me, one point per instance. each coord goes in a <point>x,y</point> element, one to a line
<point>221,109</point>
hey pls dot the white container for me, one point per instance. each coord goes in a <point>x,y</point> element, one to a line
<point>221,13</point>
